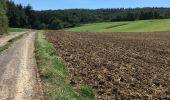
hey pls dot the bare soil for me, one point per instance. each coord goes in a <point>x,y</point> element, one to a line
<point>119,66</point>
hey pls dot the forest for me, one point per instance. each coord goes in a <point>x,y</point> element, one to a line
<point>3,17</point>
<point>25,17</point>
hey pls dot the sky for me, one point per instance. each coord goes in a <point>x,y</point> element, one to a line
<point>92,4</point>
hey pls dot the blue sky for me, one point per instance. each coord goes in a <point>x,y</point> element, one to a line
<point>92,4</point>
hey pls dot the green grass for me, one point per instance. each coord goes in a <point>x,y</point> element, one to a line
<point>126,26</point>
<point>17,30</point>
<point>53,74</point>
<point>4,47</point>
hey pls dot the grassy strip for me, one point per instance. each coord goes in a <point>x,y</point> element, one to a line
<point>17,30</point>
<point>53,74</point>
<point>6,46</point>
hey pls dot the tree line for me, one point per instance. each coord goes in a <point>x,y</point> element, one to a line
<point>26,17</point>
<point>3,17</point>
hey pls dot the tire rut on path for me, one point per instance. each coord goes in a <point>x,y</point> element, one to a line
<point>5,39</point>
<point>18,75</point>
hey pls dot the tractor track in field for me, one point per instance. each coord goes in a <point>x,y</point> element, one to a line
<point>18,73</point>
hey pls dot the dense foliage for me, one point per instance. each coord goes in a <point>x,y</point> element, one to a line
<point>3,17</point>
<point>20,16</point>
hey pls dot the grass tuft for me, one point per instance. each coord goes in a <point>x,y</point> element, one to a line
<point>4,47</point>
<point>87,92</point>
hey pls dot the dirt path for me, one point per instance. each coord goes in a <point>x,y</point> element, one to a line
<point>18,78</point>
<point>5,39</point>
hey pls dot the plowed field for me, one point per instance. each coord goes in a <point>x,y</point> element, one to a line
<point>117,65</point>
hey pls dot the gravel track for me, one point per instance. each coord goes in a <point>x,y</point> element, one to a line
<point>18,73</point>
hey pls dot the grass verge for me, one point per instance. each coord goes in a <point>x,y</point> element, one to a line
<point>53,74</point>
<point>6,46</point>
<point>17,30</point>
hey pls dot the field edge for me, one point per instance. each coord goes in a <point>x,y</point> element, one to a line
<point>53,74</point>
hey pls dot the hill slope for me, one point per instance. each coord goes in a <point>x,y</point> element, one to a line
<point>126,26</point>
